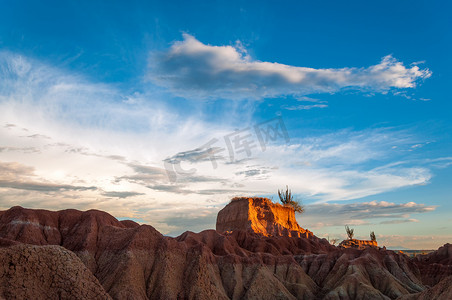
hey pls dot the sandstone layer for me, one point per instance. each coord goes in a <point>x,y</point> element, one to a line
<point>132,261</point>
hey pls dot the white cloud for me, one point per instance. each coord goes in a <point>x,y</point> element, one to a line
<point>305,107</point>
<point>69,142</point>
<point>196,70</point>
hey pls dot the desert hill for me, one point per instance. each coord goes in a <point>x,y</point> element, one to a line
<point>124,260</point>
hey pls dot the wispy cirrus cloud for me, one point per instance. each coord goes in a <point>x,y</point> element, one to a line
<point>400,221</point>
<point>304,106</point>
<point>192,69</point>
<point>121,194</point>
<point>43,186</point>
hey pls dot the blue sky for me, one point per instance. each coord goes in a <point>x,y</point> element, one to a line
<point>99,103</point>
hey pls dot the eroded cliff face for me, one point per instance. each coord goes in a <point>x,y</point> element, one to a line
<point>260,216</point>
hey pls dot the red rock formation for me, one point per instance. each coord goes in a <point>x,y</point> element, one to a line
<point>261,216</point>
<point>441,291</point>
<point>137,262</point>
<point>45,272</point>
<point>436,265</point>
<point>358,244</point>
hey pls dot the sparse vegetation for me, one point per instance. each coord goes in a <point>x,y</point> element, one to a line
<point>334,241</point>
<point>350,232</point>
<point>373,237</point>
<point>286,198</point>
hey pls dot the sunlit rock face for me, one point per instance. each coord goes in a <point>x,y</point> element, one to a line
<point>260,216</point>
<point>358,244</point>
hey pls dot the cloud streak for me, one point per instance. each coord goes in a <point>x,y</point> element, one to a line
<point>192,69</point>
<point>385,213</point>
<point>121,195</point>
<point>43,187</point>
<point>305,107</point>
<point>370,210</point>
<point>17,176</point>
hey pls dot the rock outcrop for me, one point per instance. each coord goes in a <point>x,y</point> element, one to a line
<point>132,261</point>
<point>358,244</point>
<point>260,216</point>
<point>436,265</point>
<point>45,272</point>
<point>441,291</point>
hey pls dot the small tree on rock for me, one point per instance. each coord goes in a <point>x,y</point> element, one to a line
<point>373,237</point>
<point>286,198</point>
<point>350,232</point>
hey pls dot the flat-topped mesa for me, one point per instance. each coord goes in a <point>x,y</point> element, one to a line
<point>358,244</point>
<point>261,216</point>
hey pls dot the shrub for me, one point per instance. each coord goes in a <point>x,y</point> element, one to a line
<point>350,232</point>
<point>287,199</point>
<point>373,237</point>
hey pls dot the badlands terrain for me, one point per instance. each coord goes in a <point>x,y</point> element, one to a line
<point>258,251</point>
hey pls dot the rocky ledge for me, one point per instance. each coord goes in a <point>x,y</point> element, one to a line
<point>260,216</point>
<point>358,244</point>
